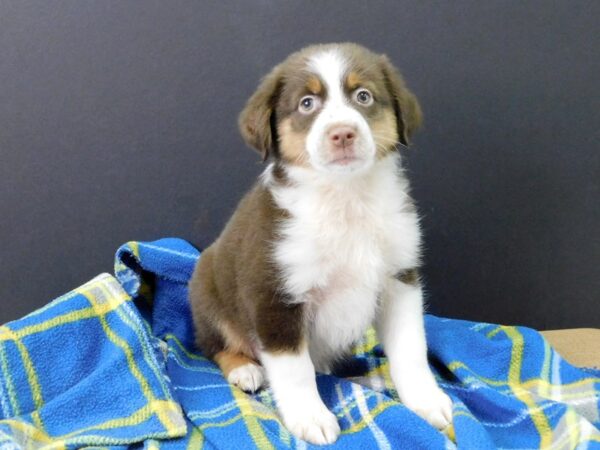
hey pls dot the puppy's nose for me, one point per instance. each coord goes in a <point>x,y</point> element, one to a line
<point>342,136</point>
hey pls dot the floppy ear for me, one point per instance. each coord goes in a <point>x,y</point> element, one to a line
<point>257,119</point>
<point>408,112</point>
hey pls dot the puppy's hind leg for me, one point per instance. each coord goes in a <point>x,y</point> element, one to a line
<point>217,343</point>
<point>214,336</point>
<point>240,370</point>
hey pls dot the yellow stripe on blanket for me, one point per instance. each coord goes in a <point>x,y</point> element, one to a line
<point>164,417</point>
<point>514,377</point>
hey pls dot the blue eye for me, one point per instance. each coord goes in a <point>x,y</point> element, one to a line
<point>308,104</point>
<point>363,96</point>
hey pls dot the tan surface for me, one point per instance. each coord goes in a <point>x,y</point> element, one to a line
<point>579,346</point>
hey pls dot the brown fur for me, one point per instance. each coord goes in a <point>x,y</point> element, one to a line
<point>406,107</point>
<point>278,94</point>
<point>236,292</point>
<point>385,132</point>
<point>255,119</point>
<point>235,282</point>
<point>410,276</point>
<point>234,339</point>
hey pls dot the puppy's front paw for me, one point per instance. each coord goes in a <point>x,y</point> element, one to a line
<point>431,403</point>
<point>249,377</point>
<point>317,426</point>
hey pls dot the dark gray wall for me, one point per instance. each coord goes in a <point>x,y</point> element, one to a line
<point>118,122</point>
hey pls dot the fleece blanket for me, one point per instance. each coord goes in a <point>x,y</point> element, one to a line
<point>112,364</point>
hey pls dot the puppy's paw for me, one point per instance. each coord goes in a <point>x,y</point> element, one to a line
<point>249,377</point>
<point>432,404</point>
<point>318,426</point>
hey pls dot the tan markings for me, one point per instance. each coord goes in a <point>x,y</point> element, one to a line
<point>292,144</point>
<point>314,85</point>
<point>385,133</point>
<point>229,361</point>
<point>353,81</point>
<point>234,342</point>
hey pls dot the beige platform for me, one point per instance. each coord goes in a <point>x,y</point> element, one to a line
<point>579,346</point>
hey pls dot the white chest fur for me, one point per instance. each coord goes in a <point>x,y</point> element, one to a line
<point>344,237</point>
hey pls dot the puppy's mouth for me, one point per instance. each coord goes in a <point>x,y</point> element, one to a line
<point>344,157</point>
<point>344,160</point>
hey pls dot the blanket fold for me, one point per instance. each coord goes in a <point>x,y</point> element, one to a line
<point>81,371</point>
<point>113,364</point>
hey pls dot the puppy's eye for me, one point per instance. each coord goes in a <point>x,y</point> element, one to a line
<point>308,104</point>
<point>363,96</point>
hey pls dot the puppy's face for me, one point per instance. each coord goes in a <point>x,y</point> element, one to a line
<point>334,108</point>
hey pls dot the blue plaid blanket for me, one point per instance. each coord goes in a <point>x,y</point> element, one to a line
<point>112,364</point>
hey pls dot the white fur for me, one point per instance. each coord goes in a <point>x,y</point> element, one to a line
<point>401,330</point>
<point>350,231</point>
<point>331,67</point>
<point>345,238</point>
<point>249,377</point>
<point>292,378</point>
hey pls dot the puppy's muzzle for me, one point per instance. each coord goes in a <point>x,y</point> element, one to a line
<point>341,139</point>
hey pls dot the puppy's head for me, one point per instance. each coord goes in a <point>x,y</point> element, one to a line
<point>334,108</point>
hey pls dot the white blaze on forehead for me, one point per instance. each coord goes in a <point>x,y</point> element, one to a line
<point>331,66</point>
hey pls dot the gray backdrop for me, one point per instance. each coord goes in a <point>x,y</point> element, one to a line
<point>118,122</point>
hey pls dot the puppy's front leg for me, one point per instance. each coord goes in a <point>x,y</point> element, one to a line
<point>401,330</point>
<point>292,378</point>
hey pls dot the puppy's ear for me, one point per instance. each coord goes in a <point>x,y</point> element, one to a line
<point>408,112</point>
<point>257,119</point>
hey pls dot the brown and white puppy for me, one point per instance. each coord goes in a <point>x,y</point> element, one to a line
<point>325,244</point>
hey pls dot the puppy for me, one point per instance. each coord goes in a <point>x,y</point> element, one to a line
<point>325,244</point>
